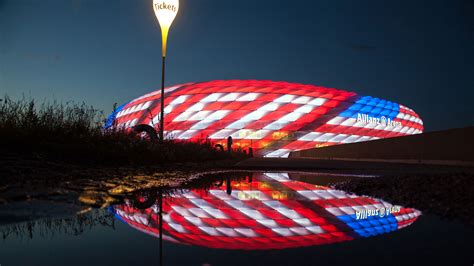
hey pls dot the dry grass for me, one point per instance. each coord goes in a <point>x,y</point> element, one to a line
<point>74,133</point>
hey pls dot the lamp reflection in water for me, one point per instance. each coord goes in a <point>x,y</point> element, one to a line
<point>264,211</point>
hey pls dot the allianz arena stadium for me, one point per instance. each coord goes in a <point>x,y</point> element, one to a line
<point>265,211</point>
<point>274,118</point>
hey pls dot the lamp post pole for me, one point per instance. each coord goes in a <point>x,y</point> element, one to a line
<point>162,112</point>
<point>165,11</point>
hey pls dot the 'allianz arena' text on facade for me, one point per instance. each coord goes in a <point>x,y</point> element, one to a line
<point>274,118</point>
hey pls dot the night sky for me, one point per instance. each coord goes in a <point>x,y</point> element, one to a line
<point>417,53</point>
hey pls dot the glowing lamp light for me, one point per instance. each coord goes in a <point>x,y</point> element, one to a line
<point>165,11</point>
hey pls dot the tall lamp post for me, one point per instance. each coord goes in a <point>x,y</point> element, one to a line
<point>165,11</point>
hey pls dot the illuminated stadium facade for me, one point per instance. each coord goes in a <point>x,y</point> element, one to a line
<point>266,211</point>
<point>274,118</point>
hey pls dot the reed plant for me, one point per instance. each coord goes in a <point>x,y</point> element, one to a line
<point>74,132</point>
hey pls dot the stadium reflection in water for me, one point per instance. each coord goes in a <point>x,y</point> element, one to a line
<point>262,211</point>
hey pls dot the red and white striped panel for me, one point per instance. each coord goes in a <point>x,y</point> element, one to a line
<point>270,211</point>
<point>274,118</point>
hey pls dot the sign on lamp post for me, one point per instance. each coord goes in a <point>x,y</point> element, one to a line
<point>165,11</point>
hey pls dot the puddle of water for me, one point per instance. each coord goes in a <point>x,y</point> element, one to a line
<point>263,211</point>
<point>243,218</point>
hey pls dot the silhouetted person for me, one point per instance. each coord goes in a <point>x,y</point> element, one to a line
<point>229,144</point>
<point>250,152</point>
<point>228,186</point>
